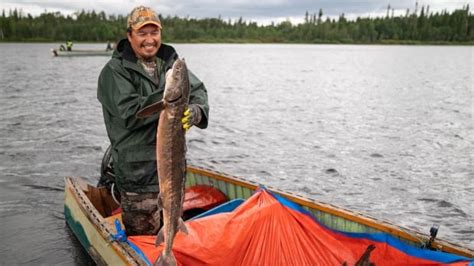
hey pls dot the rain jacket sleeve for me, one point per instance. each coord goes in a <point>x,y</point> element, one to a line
<point>199,96</point>
<point>120,98</point>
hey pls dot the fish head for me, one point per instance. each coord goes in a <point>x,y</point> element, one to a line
<point>177,83</point>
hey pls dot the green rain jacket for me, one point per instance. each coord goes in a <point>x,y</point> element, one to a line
<point>123,89</point>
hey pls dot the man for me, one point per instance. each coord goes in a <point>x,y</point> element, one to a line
<point>135,78</point>
<point>109,46</point>
<point>69,45</point>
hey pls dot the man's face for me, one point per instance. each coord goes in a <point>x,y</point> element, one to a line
<point>145,41</point>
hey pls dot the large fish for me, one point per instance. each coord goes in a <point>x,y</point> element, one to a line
<point>171,156</point>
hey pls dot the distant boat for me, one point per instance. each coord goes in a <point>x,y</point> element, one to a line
<point>75,52</point>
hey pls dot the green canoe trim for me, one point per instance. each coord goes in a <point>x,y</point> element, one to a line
<point>79,231</point>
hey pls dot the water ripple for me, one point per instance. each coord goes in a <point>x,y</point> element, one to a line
<point>392,138</point>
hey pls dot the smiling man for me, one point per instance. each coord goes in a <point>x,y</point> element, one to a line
<point>135,78</point>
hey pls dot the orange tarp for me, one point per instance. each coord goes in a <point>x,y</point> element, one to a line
<point>263,231</point>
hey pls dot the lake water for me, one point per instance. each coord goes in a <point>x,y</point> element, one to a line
<point>385,130</point>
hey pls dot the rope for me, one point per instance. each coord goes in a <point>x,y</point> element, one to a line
<point>113,195</point>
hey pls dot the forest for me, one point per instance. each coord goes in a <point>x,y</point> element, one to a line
<point>419,26</point>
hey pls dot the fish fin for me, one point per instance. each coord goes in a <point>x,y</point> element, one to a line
<point>150,110</point>
<point>160,237</point>
<point>159,204</point>
<point>182,227</point>
<point>156,218</point>
<point>156,221</point>
<point>157,215</point>
<point>166,260</point>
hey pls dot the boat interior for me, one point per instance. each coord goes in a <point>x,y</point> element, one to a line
<point>109,208</point>
<point>105,204</point>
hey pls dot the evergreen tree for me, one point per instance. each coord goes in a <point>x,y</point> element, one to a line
<point>92,26</point>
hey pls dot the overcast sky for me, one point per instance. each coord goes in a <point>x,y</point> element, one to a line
<point>260,11</point>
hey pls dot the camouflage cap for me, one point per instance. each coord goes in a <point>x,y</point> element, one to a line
<point>141,16</point>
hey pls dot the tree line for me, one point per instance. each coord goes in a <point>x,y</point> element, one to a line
<point>419,26</point>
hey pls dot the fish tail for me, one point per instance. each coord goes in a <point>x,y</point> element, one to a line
<point>166,260</point>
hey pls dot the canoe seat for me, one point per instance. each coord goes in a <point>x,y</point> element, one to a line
<point>224,207</point>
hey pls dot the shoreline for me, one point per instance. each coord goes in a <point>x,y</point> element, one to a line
<point>236,41</point>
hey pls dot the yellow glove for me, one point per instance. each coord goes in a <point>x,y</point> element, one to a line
<point>192,116</point>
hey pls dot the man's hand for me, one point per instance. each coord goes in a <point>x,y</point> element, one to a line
<point>191,117</point>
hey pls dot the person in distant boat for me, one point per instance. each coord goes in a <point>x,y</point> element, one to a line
<point>135,78</point>
<point>69,45</point>
<point>109,46</point>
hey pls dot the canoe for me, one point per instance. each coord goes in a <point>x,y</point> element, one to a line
<point>88,211</point>
<point>57,52</point>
